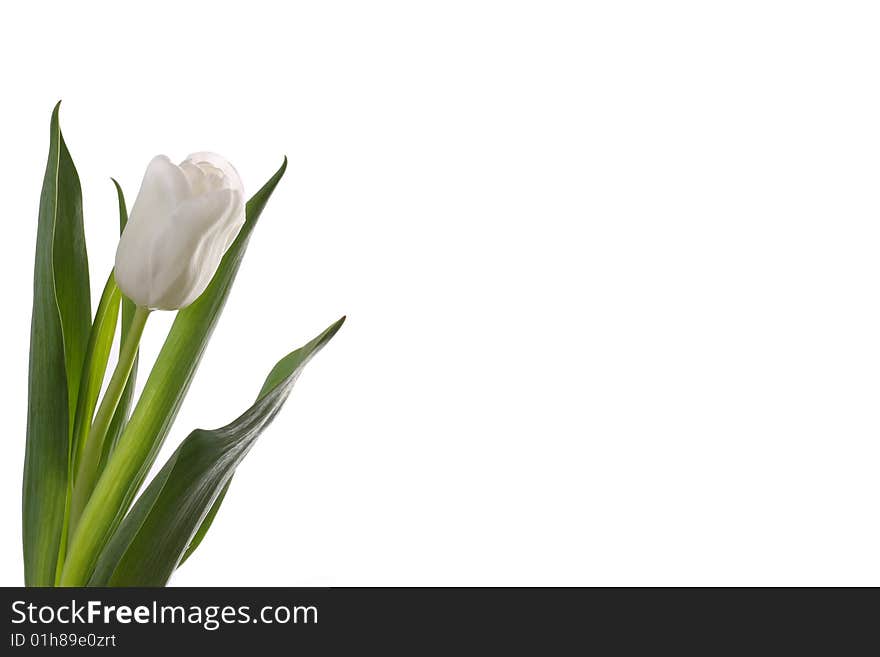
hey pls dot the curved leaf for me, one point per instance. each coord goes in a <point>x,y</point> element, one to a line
<point>94,367</point>
<point>60,324</point>
<point>153,538</point>
<point>120,417</point>
<point>72,288</point>
<point>97,355</point>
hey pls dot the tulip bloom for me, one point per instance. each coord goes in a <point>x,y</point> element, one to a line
<point>184,219</point>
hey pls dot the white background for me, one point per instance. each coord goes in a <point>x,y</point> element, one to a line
<point>611,271</point>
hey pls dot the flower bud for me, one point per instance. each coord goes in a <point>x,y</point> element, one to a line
<point>182,222</point>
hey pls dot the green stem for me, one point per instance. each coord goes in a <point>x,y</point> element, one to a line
<point>87,472</point>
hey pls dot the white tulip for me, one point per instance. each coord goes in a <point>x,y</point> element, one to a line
<point>182,222</point>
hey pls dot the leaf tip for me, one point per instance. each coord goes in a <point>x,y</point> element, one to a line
<point>334,328</point>
<point>329,332</point>
<point>55,113</point>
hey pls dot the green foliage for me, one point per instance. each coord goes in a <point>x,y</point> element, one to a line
<point>151,541</point>
<point>60,324</point>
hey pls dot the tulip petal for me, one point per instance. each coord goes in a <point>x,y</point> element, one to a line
<point>163,188</point>
<point>233,180</point>
<point>183,221</point>
<point>187,253</point>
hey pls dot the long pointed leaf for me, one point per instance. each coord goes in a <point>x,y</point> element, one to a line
<point>97,355</point>
<point>72,287</point>
<point>120,417</point>
<point>152,539</point>
<point>157,407</point>
<point>94,368</point>
<point>59,333</point>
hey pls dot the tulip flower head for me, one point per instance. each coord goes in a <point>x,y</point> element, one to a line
<point>184,219</point>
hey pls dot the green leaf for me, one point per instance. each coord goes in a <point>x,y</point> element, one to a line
<point>153,538</point>
<point>120,417</point>
<point>97,355</point>
<point>157,407</point>
<point>275,377</point>
<point>60,324</point>
<point>206,524</point>
<point>72,289</point>
<point>94,368</point>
